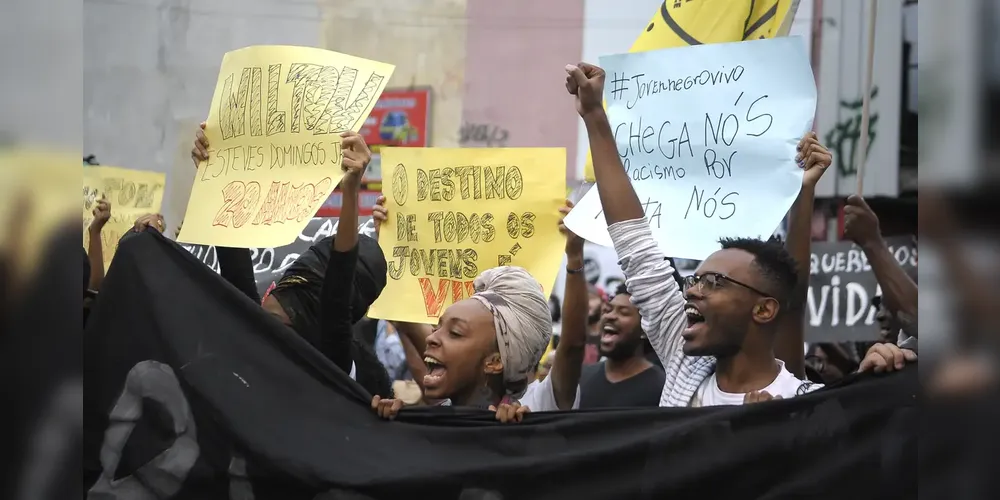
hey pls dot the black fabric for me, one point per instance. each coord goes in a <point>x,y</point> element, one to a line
<point>302,282</point>
<point>262,396</point>
<point>322,291</point>
<point>641,390</point>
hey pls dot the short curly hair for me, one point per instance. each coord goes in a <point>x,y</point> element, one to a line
<point>775,264</point>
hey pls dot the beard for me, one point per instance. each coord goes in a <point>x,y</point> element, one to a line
<point>623,349</point>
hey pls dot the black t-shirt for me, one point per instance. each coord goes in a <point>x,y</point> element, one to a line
<point>640,390</point>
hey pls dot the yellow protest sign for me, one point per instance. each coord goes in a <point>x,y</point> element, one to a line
<point>131,193</point>
<point>453,213</point>
<point>274,134</point>
<point>680,24</point>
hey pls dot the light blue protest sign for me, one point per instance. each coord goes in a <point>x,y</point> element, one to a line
<point>707,134</point>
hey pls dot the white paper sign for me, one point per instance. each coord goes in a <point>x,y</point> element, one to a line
<point>707,134</point>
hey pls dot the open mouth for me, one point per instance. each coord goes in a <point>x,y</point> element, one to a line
<point>695,320</point>
<point>435,371</point>
<point>609,333</point>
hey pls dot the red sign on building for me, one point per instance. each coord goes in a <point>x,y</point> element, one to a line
<point>401,117</point>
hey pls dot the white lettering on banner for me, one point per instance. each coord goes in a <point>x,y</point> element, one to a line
<point>709,147</point>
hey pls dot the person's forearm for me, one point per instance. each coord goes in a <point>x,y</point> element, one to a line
<point>618,198</point>
<point>791,331</point>
<point>347,232</point>
<point>416,333</point>
<point>95,252</point>
<point>414,360</point>
<point>570,352</point>
<point>899,292</point>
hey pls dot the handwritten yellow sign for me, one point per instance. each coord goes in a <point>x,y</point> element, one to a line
<point>274,131</point>
<point>682,24</point>
<point>131,193</point>
<point>456,212</point>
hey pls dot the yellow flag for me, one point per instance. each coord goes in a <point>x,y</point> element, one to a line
<point>453,213</point>
<point>274,131</point>
<point>680,23</point>
<point>131,193</point>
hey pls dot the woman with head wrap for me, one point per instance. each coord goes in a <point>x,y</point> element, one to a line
<point>484,350</point>
<point>331,285</point>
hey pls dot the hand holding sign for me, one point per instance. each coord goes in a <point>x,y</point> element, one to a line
<point>813,158</point>
<point>707,136</point>
<point>586,82</point>
<point>102,213</point>
<point>276,150</point>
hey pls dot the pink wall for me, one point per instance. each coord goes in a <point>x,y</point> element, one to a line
<point>514,91</point>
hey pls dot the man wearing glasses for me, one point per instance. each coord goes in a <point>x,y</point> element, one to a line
<point>716,338</point>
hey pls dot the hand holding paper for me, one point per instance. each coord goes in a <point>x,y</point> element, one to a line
<point>707,136</point>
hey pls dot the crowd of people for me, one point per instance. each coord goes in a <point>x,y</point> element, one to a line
<point>732,333</point>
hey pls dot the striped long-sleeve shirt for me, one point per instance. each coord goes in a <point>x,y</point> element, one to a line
<point>657,296</point>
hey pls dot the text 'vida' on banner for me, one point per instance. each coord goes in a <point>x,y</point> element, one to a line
<point>453,213</point>
<point>707,135</point>
<point>275,148</point>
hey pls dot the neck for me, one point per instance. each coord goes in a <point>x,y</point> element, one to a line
<point>632,364</point>
<point>481,397</point>
<point>745,372</point>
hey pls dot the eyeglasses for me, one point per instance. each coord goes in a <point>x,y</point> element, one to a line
<point>710,282</point>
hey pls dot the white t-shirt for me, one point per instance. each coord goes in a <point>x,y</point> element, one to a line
<point>785,385</point>
<point>540,396</point>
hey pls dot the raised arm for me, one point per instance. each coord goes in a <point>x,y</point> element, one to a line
<point>337,315</point>
<point>899,292</point>
<point>95,249</point>
<point>568,364</point>
<point>649,276</point>
<point>814,159</point>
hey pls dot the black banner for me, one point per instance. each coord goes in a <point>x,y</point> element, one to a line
<point>841,286</point>
<point>193,391</point>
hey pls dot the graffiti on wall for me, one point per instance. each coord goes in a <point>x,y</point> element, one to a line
<point>844,137</point>
<point>482,135</point>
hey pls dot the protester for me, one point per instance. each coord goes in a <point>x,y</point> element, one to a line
<point>597,303</point>
<point>484,348</point>
<point>899,291</point>
<point>625,378</point>
<point>717,339</point>
<point>557,391</point>
<point>95,250</point>
<point>329,287</point>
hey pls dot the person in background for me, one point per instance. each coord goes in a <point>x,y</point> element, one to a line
<point>899,291</point>
<point>717,338</point>
<point>597,302</point>
<point>390,351</point>
<point>545,366</point>
<point>625,378</point>
<point>829,362</point>
<point>95,254</point>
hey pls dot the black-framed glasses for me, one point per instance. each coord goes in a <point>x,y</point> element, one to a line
<point>710,282</point>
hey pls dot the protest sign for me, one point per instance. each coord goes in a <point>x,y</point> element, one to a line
<point>677,24</point>
<point>132,193</point>
<point>274,130</point>
<point>707,135</point>
<point>841,286</point>
<point>453,213</point>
